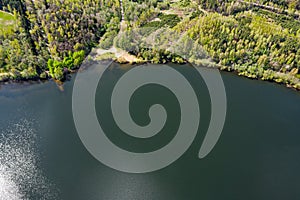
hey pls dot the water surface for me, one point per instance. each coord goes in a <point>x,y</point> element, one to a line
<point>257,156</point>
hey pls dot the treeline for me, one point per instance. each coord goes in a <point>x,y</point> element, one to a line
<point>255,43</point>
<point>52,37</point>
<point>249,44</point>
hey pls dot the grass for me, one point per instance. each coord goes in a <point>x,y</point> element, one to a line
<point>106,56</point>
<point>6,22</point>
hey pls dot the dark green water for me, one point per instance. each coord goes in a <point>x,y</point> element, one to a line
<point>257,156</point>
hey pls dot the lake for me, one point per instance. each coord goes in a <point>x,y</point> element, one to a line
<point>256,157</point>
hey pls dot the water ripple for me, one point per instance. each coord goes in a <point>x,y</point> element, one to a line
<point>20,177</point>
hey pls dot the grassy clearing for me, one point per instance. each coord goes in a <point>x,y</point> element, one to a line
<point>7,22</point>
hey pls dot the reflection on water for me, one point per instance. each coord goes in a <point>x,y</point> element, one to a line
<point>8,188</point>
<point>257,156</point>
<point>20,177</point>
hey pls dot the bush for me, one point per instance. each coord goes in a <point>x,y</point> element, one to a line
<point>171,20</point>
<point>72,61</point>
<point>108,39</point>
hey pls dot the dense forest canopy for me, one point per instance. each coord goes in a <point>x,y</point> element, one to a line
<point>52,35</point>
<point>256,38</point>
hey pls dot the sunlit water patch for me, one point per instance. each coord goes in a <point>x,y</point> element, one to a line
<point>20,177</point>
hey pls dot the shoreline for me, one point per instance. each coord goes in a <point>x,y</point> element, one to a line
<point>135,61</point>
<point>287,80</point>
<point>255,71</point>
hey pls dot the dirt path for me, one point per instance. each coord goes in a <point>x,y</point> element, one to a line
<point>119,53</point>
<point>270,8</point>
<point>201,9</point>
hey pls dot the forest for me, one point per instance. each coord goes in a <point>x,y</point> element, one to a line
<point>258,39</point>
<point>51,37</point>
